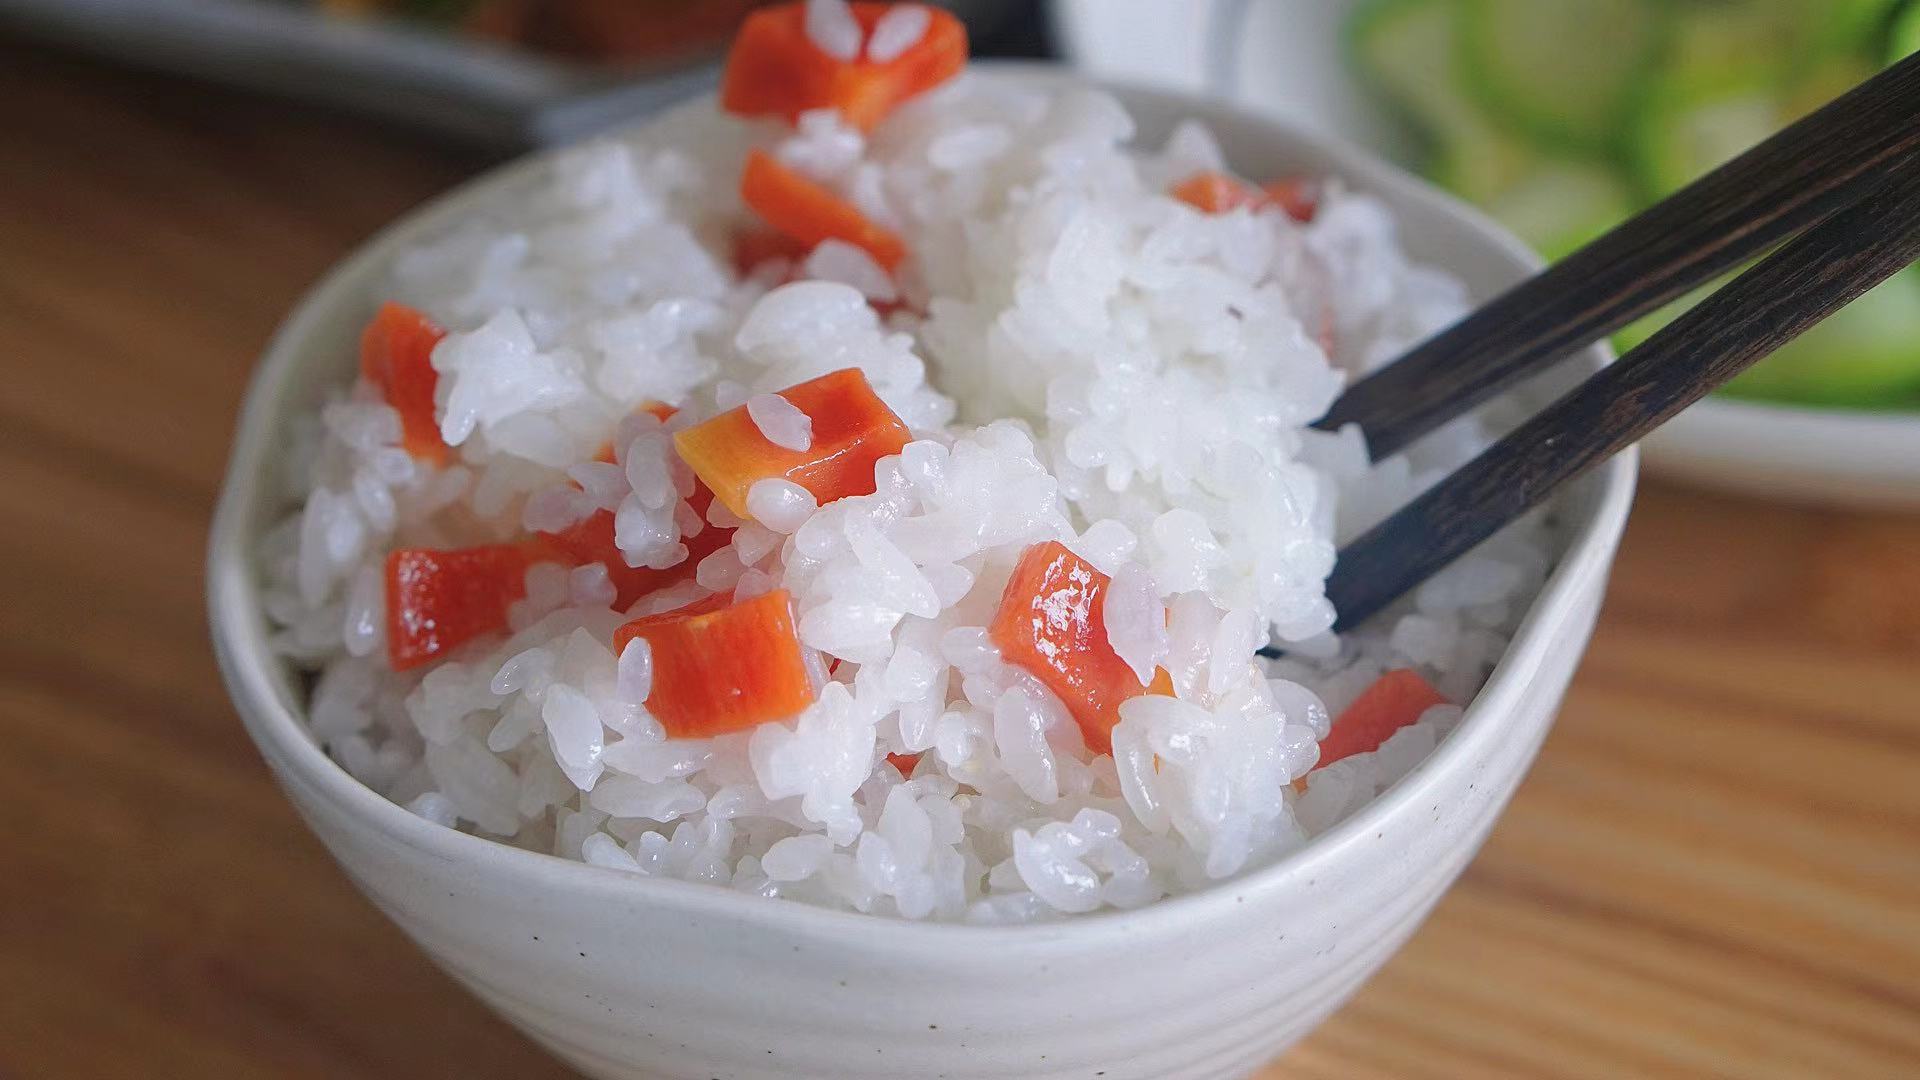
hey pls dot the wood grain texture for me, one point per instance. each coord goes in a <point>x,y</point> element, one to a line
<point>1712,871</point>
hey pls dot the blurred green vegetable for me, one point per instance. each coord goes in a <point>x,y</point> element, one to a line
<point>1562,117</point>
<point>1903,39</point>
<point>1573,98</point>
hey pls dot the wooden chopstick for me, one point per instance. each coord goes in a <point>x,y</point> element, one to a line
<point>1807,172</point>
<point>1808,279</point>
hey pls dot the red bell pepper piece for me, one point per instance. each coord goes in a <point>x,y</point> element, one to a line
<point>396,351</point>
<point>1217,193</point>
<point>1051,623</point>
<point>1395,700</point>
<point>1214,192</point>
<point>1299,196</point>
<point>852,429</point>
<point>808,213</point>
<point>775,69</point>
<point>753,246</point>
<point>438,600</point>
<point>720,666</point>
<point>590,540</point>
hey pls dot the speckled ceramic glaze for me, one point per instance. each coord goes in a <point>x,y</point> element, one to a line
<point>636,977</point>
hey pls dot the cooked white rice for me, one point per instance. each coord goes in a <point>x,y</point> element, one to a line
<point>1097,363</point>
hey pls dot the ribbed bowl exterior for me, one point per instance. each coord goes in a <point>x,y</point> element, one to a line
<point>628,987</point>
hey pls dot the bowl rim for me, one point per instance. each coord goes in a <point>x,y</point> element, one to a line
<point>247,663</point>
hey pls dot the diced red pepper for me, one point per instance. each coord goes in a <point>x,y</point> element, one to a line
<point>396,351</point>
<point>808,213</point>
<point>1052,623</point>
<point>906,763</point>
<point>1217,193</point>
<point>438,600</point>
<point>721,666</point>
<point>1299,196</point>
<point>1214,192</point>
<point>591,540</point>
<point>1395,700</point>
<point>775,69</point>
<point>659,410</point>
<point>852,429</point>
<point>754,246</point>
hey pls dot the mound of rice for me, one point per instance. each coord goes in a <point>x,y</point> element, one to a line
<point>1079,357</point>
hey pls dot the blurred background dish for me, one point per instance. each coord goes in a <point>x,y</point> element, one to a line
<point>1562,117</point>
<point>509,73</point>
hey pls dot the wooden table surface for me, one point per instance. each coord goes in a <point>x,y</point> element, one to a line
<point>1714,869</point>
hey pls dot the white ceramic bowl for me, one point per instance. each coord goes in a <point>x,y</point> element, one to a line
<point>636,977</point>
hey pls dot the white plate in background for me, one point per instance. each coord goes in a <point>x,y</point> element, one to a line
<point>470,89</point>
<point>1830,457</point>
<point>1288,58</point>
